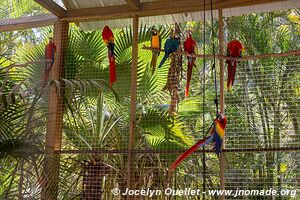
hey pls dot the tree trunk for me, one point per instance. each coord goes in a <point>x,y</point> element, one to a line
<point>93,172</point>
<point>21,180</point>
<point>277,124</point>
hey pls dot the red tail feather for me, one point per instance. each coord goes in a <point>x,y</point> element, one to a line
<point>233,72</point>
<point>112,69</point>
<point>229,78</point>
<point>185,154</point>
<point>189,76</point>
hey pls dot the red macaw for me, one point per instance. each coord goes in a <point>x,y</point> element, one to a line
<point>234,49</point>
<point>217,134</point>
<point>189,47</point>
<point>108,38</point>
<point>50,50</point>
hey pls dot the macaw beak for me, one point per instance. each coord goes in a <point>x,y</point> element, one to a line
<point>175,36</point>
<point>154,31</point>
<point>221,115</point>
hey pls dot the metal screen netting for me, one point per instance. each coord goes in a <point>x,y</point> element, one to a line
<point>263,109</point>
<point>257,171</point>
<point>84,122</point>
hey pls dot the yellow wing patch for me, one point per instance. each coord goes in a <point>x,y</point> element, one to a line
<point>155,41</point>
<point>220,130</point>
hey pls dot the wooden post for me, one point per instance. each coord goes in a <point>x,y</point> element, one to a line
<point>222,101</point>
<point>133,91</point>
<point>50,177</point>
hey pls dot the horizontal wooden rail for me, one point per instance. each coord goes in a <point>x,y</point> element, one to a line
<point>229,150</point>
<point>151,151</point>
<point>27,22</point>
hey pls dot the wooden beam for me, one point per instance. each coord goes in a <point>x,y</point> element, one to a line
<point>53,7</point>
<point>222,96</point>
<point>177,151</point>
<point>55,117</point>
<point>134,4</point>
<point>99,13</point>
<point>133,92</point>
<point>67,4</point>
<point>154,8</point>
<point>118,12</point>
<point>22,23</point>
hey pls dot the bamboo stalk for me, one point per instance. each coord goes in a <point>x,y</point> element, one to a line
<point>222,57</point>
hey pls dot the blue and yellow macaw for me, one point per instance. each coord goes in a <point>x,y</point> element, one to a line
<point>155,44</point>
<point>217,134</point>
<point>171,46</point>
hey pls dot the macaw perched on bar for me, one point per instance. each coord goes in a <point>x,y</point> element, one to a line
<point>108,38</point>
<point>156,44</point>
<point>50,50</point>
<point>171,46</point>
<point>189,48</point>
<point>234,50</point>
<point>217,131</point>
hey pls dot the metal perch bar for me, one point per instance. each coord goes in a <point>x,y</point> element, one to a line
<point>245,58</point>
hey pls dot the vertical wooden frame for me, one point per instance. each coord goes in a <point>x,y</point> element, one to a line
<point>133,92</point>
<point>50,177</point>
<point>222,100</point>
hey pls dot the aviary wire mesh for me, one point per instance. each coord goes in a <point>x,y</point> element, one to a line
<point>262,134</point>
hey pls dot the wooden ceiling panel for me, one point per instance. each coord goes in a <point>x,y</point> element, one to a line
<point>134,4</point>
<point>134,7</point>
<point>155,8</point>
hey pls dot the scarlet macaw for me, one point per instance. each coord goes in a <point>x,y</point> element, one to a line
<point>171,46</point>
<point>108,38</point>
<point>50,50</point>
<point>189,47</point>
<point>234,49</point>
<point>217,134</point>
<point>156,44</point>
